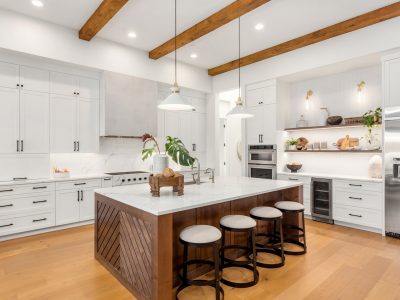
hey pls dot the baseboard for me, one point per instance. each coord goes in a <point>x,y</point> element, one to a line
<point>43,230</point>
<point>371,229</point>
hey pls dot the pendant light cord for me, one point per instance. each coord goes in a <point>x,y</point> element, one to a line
<point>175,48</point>
<point>240,89</point>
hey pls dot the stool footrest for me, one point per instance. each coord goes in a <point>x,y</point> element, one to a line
<point>295,242</point>
<point>241,284</point>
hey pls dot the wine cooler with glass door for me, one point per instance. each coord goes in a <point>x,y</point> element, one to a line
<point>321,200</point>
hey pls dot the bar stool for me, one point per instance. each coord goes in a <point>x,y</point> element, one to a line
<point>274,244</point>
<point>200,236</point>
<point>245,224</point>
<point>290,208</point>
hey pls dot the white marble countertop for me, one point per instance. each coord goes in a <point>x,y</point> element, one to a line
<point>50,179</point>
<point>332,176</point>
<point>224,189</point>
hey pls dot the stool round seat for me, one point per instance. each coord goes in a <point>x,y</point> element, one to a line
<point>289,205</point>
<point>266,212</point>
<point>237,222</point>
<point>200,234</point>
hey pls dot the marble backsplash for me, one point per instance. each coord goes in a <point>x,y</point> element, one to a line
<point>116,155</point>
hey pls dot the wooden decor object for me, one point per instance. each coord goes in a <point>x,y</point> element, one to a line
<point>224,16</point>
<point>364,20</point>
<point>104,13</point>
<point>158,181</point>
<point>347,143</point>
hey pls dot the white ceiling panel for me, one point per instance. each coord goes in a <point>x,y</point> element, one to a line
<point>153,22</point>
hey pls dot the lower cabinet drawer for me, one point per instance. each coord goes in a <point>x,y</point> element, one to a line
<point>26,203</point>
<point>369,200</point>
<point>304,179</point>
<point>358,216</point>
<point>78,184</point>
<point>26,223</point>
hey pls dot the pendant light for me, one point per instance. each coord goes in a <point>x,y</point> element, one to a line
<point>175,101</point>
<point>239,111</point>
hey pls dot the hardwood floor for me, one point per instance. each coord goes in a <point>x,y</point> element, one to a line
<point>342,263</point>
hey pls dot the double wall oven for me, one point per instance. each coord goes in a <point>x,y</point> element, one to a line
<point>262,161</point>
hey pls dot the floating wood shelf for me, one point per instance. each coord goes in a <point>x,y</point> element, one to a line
<point>335,151</point>
<point>324,127</point>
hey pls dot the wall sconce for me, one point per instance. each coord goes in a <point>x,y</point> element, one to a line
<point>308,97</point>
<point>361,91</point>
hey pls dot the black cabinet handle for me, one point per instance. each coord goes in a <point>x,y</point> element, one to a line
<point>7,225</point>
<point>3,191</point>
<point>82,183</point>
<point>39,187</point>
<point>352,184</point>
<point>17,145</point>
<point>7,205</point>
<point>17,84</point>
<point>358,216</point>
<point>74,93</point>
<point>262,137</point>
<point>22,145</point>
<point>39,220</point>
<point>107,179</point>
<point>293,179</point>
<point>74,146</point>
<point>81,195</point>
<point>78,196</point>
<point>40,201</point>
<point>77,149</point>
<point>355,198</point>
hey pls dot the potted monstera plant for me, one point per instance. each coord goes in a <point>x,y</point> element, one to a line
<point>174,148</point>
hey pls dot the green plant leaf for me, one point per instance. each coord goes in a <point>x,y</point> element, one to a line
<point>178,152</point>
<point>147,152</point>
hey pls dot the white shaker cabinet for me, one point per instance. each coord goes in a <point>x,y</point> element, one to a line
<point>261,129</point>
<point>9,75</point>
<point>86,205</point>
<point>88,88</point>
<point>74,125</point>
<point>63,84</point>
<point>33,79</point>
<point>9,120</point>
<point>88,126</point>
<point>63,124</point>
<point>391,82</point>
<point>261,93</point>
<point>34,122</point>
<point>67,207</point>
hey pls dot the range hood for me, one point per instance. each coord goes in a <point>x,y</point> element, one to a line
<point>129,106</point>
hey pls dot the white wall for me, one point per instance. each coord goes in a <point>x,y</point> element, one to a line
<point>336,92</point>
<point>28,35</point>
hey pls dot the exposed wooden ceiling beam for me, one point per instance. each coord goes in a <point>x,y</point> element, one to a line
<point>367,19</point>
<point>104,13</point>
<point>220,18</point>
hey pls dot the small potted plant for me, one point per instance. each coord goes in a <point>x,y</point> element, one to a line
<point>371,119</point>
<point>174,148</point>
<point>292,143</point>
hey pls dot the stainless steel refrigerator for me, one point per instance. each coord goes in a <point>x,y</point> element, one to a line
<point>392,170</point>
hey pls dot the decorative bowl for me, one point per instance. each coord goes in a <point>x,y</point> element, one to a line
<point>334,120</point>
<point>294,167</point>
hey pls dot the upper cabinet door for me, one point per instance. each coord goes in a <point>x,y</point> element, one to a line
<point>198,132</point>
<point>269,125</point>
<point>33,79</point>
<point>391,82</point>
<point>255,126</point>
<point>88,126</point>
<point>9,120</point>
<point>34,122</point>
<point>9,75</point>
<point>255,97</point>
<point>63,118</point>
<point>63,84</point>
<point>88,88</point>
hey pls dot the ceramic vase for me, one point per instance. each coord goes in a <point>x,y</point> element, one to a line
<point>160,162</point>
<point>375,167</point>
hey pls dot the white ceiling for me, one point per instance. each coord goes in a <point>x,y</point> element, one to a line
<point>153,22</point>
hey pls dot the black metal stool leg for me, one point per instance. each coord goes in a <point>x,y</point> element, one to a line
<point>254,250</point>
<point>222,260</point>
<point>185,267</point>
<point>216,269</point>
<point>281,240</point>
<point>304,232</point>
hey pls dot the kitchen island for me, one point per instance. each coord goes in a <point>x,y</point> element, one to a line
<point>136,235</point>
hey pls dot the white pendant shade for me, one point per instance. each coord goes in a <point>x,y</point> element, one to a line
<point>175,101</point>
<point>239,111</point>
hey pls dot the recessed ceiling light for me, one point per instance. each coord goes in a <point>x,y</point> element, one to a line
<point>193,55</point>
<point>132,35</point>
<point>37,3</point>
<point>259,26</point>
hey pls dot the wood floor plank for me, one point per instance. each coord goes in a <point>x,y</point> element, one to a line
<point>342,263</point>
